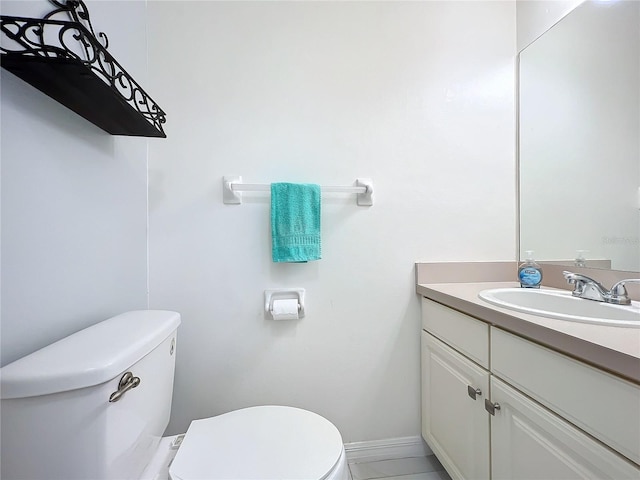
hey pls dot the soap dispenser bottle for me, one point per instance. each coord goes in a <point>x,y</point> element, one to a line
<point>529,272</point>
<point>580,261</point>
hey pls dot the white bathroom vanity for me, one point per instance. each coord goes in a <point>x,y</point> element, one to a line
<point>513,396</point>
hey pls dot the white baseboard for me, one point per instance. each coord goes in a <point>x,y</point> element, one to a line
<point>386,449</point>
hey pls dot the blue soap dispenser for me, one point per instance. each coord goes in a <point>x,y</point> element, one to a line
<point>529,272</point>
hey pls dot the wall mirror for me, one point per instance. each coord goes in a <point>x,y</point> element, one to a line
<point>579,138</point>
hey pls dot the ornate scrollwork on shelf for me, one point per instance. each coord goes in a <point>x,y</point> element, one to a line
<point>74,39</point>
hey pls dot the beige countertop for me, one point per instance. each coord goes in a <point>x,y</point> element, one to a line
<point>614,349</point>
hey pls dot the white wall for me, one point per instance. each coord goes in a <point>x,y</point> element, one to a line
<point>73,201</point>
<point>419,96</point>
<point>534,17</point>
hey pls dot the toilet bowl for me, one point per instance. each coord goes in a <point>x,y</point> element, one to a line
<point>261,443</point>
<point>95,405</point>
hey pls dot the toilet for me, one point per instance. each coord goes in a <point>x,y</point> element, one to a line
<point>95,405</point>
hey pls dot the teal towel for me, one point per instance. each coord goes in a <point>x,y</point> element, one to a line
<point>295,222</point>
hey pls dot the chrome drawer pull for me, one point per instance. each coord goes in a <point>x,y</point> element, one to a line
<point>491,407</point>
<point>473,392</point>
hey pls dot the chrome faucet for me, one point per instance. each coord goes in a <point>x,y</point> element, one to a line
<point>585,287</point>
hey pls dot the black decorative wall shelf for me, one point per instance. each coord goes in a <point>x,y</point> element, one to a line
<point>65,60</point>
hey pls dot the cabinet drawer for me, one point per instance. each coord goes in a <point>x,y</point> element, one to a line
<point>601,404</point>
<point>466,334</point>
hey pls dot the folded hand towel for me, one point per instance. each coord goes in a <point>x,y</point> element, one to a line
<point>295,222</point>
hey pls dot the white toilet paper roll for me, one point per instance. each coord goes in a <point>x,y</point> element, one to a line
<point>285,309</point>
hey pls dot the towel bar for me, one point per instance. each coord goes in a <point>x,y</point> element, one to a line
<point>232,187</point>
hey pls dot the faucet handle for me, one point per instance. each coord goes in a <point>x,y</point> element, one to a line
<point>578,282</point>
<point>618,293</point>
<point>576,279</point>
<point>585,287</point>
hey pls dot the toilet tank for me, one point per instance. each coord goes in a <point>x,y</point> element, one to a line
<point>57,422</point>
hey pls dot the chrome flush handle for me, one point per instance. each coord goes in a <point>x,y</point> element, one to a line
<point>127,382</point>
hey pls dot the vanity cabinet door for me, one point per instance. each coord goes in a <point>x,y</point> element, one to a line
<point>455,425</point>
<point>529,442</point>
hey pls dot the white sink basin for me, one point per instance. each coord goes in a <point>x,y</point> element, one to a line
<point>561,305</point>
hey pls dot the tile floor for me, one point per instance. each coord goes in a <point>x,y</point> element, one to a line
<point>413,468</point>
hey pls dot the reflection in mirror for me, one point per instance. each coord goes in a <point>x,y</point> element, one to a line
<point>579,138</point>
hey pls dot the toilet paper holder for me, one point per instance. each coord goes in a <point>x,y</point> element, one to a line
<point>271,295</point>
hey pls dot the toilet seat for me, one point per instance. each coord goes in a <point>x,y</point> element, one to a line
<point>262,443</point>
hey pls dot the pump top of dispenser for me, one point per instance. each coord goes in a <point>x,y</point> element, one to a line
<point>580,260</point>
<point>529,272</point>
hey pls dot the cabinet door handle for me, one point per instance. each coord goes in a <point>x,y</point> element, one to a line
<point>491,407</point>
<point>473,392</point>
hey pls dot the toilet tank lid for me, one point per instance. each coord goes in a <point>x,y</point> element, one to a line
<point>89,357</point>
